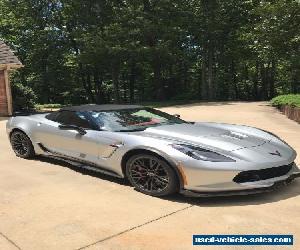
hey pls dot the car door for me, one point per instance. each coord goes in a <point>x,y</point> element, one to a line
<point>90,147</point>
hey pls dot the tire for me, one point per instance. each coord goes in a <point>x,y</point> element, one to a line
<point>151,175</point>
<point>21,145</point>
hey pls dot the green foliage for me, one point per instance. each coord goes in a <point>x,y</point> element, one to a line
<point>186,95</point>
<point>90,51</point>
<point>48,106</point>
<point>24,97</point>
<point>291,100</point>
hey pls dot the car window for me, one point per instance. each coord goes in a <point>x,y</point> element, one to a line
<point>132,119</point>
<point>73,118</point>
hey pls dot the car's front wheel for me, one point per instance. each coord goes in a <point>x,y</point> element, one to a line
<point>151,175</point>
<point>21,144</point>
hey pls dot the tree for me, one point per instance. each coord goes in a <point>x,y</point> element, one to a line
<point>136,51</point>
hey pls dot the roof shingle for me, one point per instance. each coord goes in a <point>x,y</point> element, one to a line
<point>7,57</point>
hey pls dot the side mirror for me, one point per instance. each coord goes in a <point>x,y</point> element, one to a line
<point>72,127</point>
<point>177,115</point>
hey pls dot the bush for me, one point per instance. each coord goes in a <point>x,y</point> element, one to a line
<point>23,97</point>
<point>291,100</point>
<point>48,106</point>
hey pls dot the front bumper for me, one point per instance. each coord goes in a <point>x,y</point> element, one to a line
<point>275,186</point>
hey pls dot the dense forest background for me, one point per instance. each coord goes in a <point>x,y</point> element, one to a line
<point>121,51</point>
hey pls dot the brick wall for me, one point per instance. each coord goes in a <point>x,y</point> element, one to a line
<point>291,112</point>
<point>3,98</point>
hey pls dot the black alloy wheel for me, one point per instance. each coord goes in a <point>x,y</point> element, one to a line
<point>151,175</point>
<point>21,144</point>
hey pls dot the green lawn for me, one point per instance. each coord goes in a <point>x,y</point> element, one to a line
<point>148,104</point>
<point>48,106</point>
<point>292,100</point>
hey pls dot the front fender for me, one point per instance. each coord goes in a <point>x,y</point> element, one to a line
<point>25,125</point>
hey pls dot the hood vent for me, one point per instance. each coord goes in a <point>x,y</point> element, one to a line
<point>235,135</point>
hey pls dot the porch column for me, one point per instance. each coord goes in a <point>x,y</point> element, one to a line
<point>5,94</point>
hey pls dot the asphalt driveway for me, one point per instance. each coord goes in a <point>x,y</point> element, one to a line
<point>47,204</point>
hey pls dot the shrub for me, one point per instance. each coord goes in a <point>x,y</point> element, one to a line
<point>23,97</point>
<point>48,106</point>
<point>291,100</point>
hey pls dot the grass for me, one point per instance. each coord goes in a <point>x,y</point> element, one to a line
<point>148,104</point>
<point>48,106</point>
<point>291,100</point>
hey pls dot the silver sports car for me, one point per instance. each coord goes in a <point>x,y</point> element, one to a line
<point>160,154</point>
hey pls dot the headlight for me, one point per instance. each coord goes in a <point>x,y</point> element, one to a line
<point>201,154</point>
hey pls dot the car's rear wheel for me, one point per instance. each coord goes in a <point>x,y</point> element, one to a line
<point>151,175</point>
<point>21,144</point>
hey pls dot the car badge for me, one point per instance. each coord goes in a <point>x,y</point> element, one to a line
<point>275,153</point>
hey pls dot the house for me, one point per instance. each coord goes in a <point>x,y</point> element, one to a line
<point>8,61</point>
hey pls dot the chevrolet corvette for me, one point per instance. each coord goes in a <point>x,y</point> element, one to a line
<point>160,154</point>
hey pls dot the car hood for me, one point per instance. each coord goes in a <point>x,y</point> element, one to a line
<point>206,134</point>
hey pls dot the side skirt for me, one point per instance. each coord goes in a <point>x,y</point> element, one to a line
<point>74,161</point>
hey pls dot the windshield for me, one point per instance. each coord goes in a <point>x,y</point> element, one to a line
<point>132,119</point>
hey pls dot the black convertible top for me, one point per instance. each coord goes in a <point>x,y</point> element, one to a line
<point>102,107</point>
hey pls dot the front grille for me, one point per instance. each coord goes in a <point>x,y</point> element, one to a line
<point>262,174</point>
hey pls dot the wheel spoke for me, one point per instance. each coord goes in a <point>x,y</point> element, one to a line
<point>139,173</point>
<point>20,143</point>
<point>149,174</point>
<point>140,165</point>
<point>161,180</point>
<point>148,184</point>
<point>155,186</point>
<point>153,165</point>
